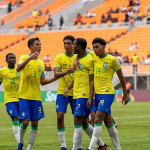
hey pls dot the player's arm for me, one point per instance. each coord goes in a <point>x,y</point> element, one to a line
<point>70,86</point>
<point>76,62</point>
<point>90,101</point>
<point>58,73</point>
<point>23,64</point>
<point>123,84</point>
<point>44,81</point>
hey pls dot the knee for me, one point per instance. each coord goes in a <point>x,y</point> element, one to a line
<point>25,122</point>
<point>60,117</point>
<point>78,120</point>
<point>34,123</point>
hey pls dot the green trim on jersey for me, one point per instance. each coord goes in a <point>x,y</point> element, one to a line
<point>15,123</point>
<point>11,68</point>
<point>78,126</point>
<point>22,126</point>
<point>61,129</point>
<point>34,128</point>
<point>91,74</point>
<point>56,67</point>
<point>118,69</point>
<point>104,55</point>
<point>84,55</point>
<point>67,55</point>
<point>97,124</point>
<point>86,126</point>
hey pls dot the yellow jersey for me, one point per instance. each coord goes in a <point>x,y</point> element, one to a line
<point>81,88</point>
<point>30,79</point>
<point>63,61</point>
<point>135,59</point>
<point>104,69</point>
<point>11,81</point>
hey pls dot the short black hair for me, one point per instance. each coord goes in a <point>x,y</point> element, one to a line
<point>31,41</point>
<point>100,41</point>
<point>9,55</point>
<point>69,37</point>
<point>82,42</point>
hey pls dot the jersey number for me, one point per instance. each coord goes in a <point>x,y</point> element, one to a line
<point>34,74</point>
<point>98,70</point>
<point>12,80</point>
<point>101,102</point>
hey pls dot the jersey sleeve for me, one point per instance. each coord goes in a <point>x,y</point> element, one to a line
<point>43,69</point>
<point>1,78</point>
<point>91,67</point>
<point>21,59</point>
<point>116,65</point>
<point>57,62</point>
<point>92,53</point>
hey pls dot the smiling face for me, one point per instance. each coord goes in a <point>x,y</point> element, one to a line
<point>68,45</point>
<point>99,49</point>
<point>36,47</point>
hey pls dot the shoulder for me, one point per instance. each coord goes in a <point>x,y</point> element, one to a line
<point>24,56</point>
<point>59,56</point>
<point>3,69</point>
<point>40,62</point>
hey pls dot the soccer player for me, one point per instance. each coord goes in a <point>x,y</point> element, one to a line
<point>63,69</point>
<point>104,67</point>
<point>30,106</point>
<point>83,89</point>
<point>11,80</point>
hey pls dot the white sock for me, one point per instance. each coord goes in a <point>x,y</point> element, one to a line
<point>77,137</point>
<point>114,136</point>
<point>33,133</point>
<point>89,131</point>
<point>22,133</point>
<point>95,135</point>
<point>16,131</point>
<point>61,135</point>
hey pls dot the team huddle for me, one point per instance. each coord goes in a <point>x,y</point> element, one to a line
<point>85,81</point>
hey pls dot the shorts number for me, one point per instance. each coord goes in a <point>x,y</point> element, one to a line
<point>102,102</point>
<point>34,74</point>
<point>40,111</point>
<point>78,106</point>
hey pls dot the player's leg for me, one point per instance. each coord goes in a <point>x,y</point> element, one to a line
<point>61,107</point>
<point>80,107</point>
<point>114,122</point>
<point>109,122</point>
<point>24,114</point>
<point>93,112</point>
<point>101,106</point>
<point>89,131</point>
<point>36,113</point>
<point>13,111</point>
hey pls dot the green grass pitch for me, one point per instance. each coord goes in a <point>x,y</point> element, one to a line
<point>133,120</point>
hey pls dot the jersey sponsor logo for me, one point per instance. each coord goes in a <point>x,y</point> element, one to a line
<point>64,64</point>
<point>107,91</point>
<point>80,66</point>
<point>40,68</point>
<point>105,64</point>
<point>28,65</point>
<point>95,61</point>
<point>18,74</point>
<point>6,76</point>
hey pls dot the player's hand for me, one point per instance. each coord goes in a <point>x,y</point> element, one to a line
<point>65,92</point>
<point>125,99</point>
<point>89,103</point>
<point>34,56</point>
<point>70,70</point>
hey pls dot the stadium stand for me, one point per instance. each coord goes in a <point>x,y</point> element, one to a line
<point>52,43</point>
<point>104,8</point>
<point>53,8</point>
<point>11,39</point>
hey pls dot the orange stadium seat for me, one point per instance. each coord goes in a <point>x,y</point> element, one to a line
<point>54,46</point>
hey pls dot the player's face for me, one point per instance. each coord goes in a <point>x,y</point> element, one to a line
<point>11,60</point>
<point>98,49</point>
<point>68,45</point>
<point>75,47</point>
<point>36,47</point>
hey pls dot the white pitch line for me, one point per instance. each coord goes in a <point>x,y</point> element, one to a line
<point>132,117</point>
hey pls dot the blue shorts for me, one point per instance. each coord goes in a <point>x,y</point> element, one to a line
<point>12,109</point>
<point>103,102</point>
<point>93,108</point>
<point>30,109</point>
<point>62,103</point>
<point>80,108</point>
